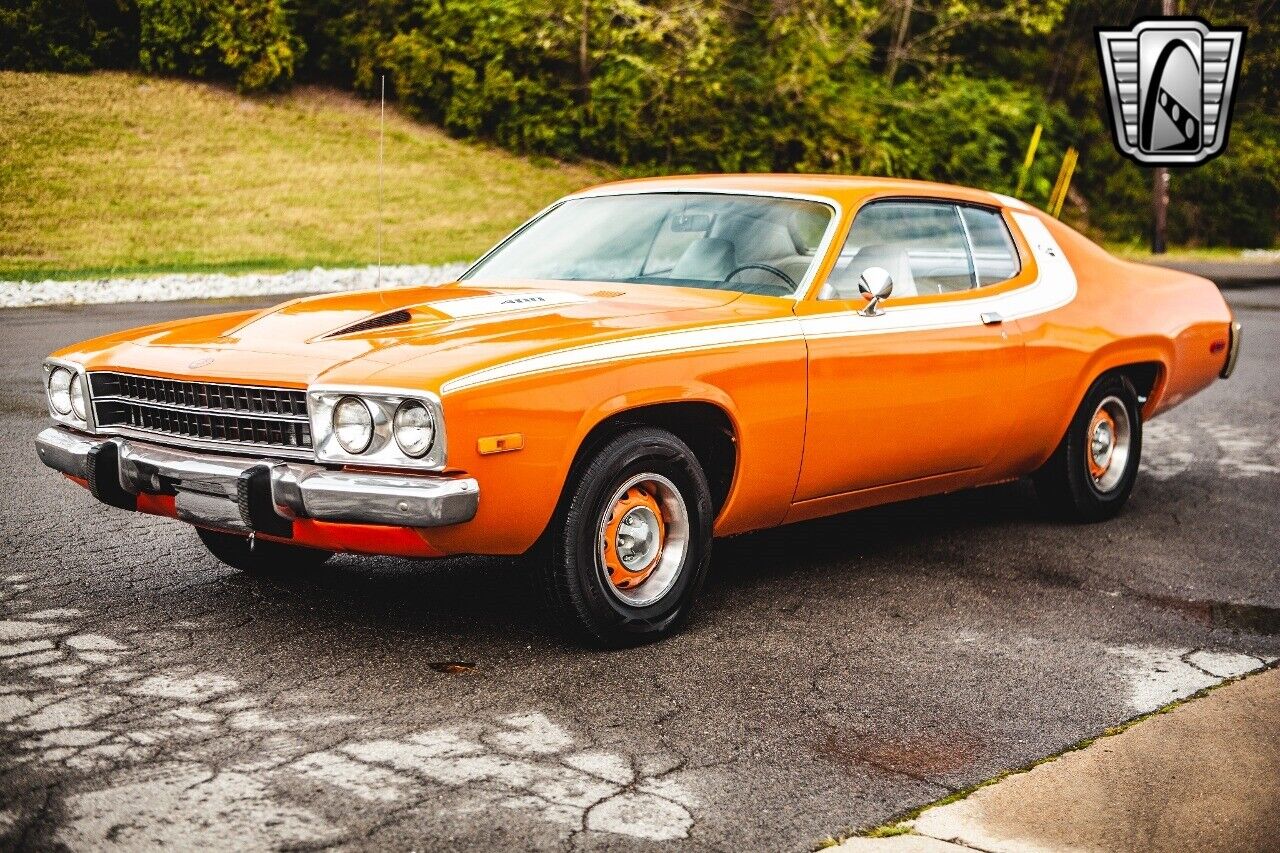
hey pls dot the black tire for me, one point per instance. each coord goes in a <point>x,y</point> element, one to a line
<point>1066,484</point>
<point>579,592</point>
<point>261,557</point>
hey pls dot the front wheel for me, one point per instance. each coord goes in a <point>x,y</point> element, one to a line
<point>261,556</point>
<point>632,543</point>
<point>1092,472</point>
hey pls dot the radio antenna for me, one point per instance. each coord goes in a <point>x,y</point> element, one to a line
<point>382,135</point>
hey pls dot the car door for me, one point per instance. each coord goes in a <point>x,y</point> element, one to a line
<point>925,388</point>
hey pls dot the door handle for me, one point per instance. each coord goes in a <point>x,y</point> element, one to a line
<point>991,318</point>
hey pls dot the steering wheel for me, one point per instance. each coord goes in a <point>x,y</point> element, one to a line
<point>779,273</point>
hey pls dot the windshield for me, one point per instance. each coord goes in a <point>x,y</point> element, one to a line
<point>749,244</point>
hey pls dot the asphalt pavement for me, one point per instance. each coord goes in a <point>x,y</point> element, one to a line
<point>836,674</point>
<point>1228,273</point>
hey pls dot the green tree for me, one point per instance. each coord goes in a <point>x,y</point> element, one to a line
<point>247,41</point>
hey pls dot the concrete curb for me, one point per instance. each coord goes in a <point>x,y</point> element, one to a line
<point>1187,777</point>
<point>168,288</point>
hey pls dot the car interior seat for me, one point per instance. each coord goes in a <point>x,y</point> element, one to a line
<point>843,284</point>
<point>706,259</point>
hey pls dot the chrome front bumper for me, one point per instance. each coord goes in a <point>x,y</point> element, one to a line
<point>246,494</point>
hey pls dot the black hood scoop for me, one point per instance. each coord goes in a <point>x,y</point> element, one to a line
<point>381,321</point>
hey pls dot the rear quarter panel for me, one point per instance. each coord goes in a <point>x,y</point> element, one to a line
<point>1124,313</point>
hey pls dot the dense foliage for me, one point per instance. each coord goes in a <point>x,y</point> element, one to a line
<point>68,35</point>
<point>941,89</point>
<point>249,41</point>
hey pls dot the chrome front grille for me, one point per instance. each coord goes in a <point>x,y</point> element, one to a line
<point>237,416</point>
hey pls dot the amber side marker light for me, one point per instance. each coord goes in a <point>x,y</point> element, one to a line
<point>500,443</point>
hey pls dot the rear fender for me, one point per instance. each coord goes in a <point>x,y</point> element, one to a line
<point>1145,350</point>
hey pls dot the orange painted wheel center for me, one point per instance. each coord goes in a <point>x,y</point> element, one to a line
<point>633,538</point>
<point>1102,443</point>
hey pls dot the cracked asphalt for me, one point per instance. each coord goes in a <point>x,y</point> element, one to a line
<point>837,672</point>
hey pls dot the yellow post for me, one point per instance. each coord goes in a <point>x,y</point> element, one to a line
<point>1063,183</point>
<point>1026,163</point>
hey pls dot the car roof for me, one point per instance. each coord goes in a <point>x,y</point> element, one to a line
<point>847,190</point>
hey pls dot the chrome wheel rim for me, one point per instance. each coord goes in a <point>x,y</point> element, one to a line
<point>1108,443</point>
<point>641,553</point>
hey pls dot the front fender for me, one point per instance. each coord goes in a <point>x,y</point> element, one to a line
<point>760,387</point>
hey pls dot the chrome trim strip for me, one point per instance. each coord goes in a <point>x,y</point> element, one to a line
<point>230,447</point>
<point>1233,350</point>
<point>201,410</point>
<point>507,239</point>
<point>207,485</point>
<point>198,380</point>
<point>968,243</point>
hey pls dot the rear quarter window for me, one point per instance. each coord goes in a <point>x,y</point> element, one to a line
<point>995,259</point>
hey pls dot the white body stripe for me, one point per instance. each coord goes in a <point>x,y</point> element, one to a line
<point>1055,286</point>
<point>1011,202</point>
<point>659,343</point>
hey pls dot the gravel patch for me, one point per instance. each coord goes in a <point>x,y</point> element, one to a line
<point>166,288</point>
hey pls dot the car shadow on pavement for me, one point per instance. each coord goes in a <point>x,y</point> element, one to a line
<point>498,599</point>
<point>883,532</point>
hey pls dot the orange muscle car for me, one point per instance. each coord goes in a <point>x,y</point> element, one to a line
<point>641,367</point>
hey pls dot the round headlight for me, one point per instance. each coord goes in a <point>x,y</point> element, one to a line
<point>77,399</point>
<point>415,428</point>
<point>60,390</point>
<point>353,425</point>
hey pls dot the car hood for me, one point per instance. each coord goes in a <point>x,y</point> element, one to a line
<point>350,337</point>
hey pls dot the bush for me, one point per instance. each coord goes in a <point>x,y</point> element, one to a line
<point>68,35</point>
<point>247,41</point>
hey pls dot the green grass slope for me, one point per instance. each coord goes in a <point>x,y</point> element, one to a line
<point>114,173</point>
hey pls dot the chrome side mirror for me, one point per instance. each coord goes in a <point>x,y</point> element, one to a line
<point>874,284</point>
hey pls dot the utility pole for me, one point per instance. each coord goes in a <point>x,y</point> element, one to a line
<point>584,55</point>
<point>1159,208</point>
<point>1160,178</point>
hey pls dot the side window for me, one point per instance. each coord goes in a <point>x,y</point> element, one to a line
<point>921,244</point>
<point>994,257</point>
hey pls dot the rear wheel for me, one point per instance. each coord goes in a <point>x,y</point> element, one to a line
<point>631,545</point>
<point>1093,471</point>
<point>260,556</point>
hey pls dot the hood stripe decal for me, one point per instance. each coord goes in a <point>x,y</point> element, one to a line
<point>504,303</point>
